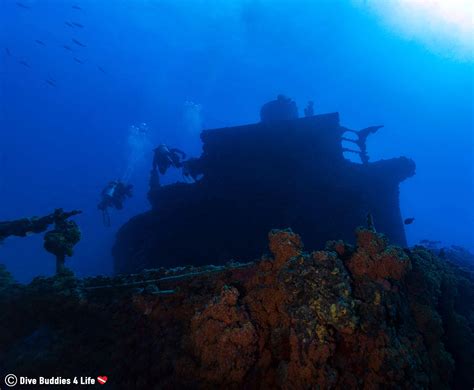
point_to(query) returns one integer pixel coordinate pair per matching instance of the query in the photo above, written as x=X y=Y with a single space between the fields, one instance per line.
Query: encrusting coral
x=60 y=241
x=365 y=316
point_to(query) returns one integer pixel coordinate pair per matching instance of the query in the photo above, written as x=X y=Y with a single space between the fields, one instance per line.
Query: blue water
x=60 y=145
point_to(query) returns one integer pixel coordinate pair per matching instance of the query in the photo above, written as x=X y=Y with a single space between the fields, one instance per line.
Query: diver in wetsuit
x=165 y=158
x=113 y=195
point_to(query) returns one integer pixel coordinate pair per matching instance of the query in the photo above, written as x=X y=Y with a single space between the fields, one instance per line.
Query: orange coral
x=284 y=245
x=224 y=339
x=375 y=259
x=365 y=317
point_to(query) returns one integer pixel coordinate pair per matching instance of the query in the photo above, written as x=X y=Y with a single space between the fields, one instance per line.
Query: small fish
x=78 y=60
x=76 y=7
x=408 y=221
x=78 y=24
x=51 y=82
x=68 y=24
x=24 y=63
x=78 y=43
x=40 y=42
x=67 y=47
x=21 y=5
x=9 y=53
x=101 y=69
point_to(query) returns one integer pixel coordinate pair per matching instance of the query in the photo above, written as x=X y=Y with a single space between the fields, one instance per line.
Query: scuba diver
x=113 y=195
x=165 y=158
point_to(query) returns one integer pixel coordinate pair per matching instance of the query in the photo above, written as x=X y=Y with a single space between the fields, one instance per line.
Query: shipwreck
x=275 y=174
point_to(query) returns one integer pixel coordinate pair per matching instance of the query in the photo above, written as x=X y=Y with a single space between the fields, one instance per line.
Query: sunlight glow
x=446 y=26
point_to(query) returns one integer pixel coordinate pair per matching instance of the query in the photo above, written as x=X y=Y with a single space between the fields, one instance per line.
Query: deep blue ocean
x=75 y=76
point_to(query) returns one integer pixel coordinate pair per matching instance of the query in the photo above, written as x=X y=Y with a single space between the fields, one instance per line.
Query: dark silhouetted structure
x=309 y=109
x=259 y=177
x=60 y=241
x=361 y=141
x=283 y=108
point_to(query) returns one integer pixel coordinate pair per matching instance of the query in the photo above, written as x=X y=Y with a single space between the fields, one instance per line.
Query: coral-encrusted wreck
x=370 y=316
x=274 y=174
